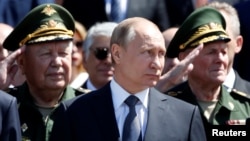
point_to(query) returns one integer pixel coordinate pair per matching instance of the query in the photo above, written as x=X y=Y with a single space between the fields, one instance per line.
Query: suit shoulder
x=6 y=97
x=179 y=101
x=173 y=101
x=79 y=98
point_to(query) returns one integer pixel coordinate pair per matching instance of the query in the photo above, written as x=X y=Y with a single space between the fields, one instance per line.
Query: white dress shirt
x=79 y=80
x=119 y=95
x=230 y=79
x=90 y=86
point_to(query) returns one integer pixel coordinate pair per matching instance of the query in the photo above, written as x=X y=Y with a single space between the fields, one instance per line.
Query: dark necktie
x=115 y=13
x=131 y=127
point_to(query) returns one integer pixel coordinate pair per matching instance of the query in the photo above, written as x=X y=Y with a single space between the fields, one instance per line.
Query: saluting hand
x=8 y=68
x=179 y=72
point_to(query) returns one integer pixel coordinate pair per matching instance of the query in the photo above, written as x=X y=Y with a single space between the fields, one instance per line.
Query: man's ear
x=239 y=43
x=116 y=52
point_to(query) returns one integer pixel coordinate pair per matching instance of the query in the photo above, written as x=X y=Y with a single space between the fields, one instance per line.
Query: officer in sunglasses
x=97 y=58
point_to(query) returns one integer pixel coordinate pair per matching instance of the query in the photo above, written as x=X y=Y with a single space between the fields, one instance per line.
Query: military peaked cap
x=204 y=25
x=46 y=22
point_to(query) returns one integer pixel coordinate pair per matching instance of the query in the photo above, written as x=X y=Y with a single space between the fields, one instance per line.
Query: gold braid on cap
x=49 y=28
x=205 y=29
x=208 y=39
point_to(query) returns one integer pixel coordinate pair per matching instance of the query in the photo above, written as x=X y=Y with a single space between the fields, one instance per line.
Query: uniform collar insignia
x=24 y=127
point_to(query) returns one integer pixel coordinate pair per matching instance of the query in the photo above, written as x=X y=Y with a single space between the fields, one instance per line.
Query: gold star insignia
x=48 y=10
x=212 y=25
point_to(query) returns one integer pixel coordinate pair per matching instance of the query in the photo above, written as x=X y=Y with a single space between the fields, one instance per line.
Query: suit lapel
x=241 y=84
x=155 y=114
x=105 y=112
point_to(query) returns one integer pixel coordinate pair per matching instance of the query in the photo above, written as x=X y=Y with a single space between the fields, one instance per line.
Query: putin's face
x=141 y=61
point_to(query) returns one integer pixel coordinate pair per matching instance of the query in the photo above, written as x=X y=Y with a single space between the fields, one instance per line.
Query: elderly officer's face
x=47 y=65
x=210 y=66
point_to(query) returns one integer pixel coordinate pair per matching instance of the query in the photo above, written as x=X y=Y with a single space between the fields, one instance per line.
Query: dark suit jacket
x=241 y=63
x=9 y=119
x=91 y=117
x=241 y=84
x=88 y=12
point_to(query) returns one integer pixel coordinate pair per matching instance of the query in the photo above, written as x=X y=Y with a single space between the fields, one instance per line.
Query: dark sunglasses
x=79 y=44
x=101 y=53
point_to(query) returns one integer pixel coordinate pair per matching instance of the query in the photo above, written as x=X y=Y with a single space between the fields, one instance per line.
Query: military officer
x=46 y=35
x=204 y=85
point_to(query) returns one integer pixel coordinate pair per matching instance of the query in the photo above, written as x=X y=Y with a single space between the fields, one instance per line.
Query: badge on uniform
x=236 y=122
x=24 y=127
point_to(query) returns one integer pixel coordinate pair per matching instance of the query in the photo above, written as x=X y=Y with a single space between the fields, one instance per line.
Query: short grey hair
x=232 y=14
x=98 y=29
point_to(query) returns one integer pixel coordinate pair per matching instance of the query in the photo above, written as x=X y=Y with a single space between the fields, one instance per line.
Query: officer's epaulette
x=174 y=93
x=241 y=93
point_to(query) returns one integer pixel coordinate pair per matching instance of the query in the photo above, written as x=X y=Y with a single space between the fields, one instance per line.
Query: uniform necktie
x=131 y=127
x=115 y=13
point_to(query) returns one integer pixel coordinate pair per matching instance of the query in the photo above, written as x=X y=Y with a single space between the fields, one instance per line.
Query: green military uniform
x=35 y=126
x=203 y=26
x=231 y=106
x=207 y=25
x=44 y=23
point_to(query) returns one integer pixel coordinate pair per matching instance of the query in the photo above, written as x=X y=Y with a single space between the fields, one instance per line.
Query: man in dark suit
x=9 y=119
x=91 y=11
x=138 y=51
